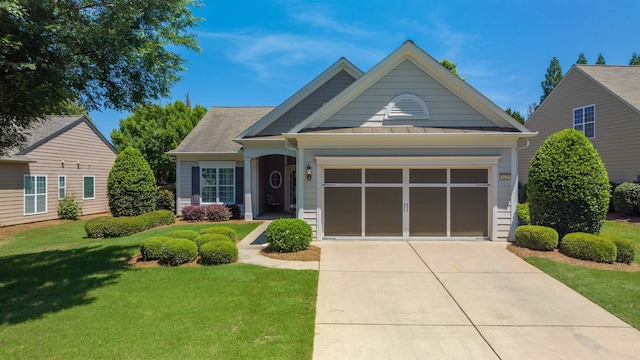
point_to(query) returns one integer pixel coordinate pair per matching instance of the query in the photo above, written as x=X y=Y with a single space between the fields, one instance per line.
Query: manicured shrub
x=95 y=227
x=625 y=198
x=522 y=194
x=221 y=230
x=217 y=212
x=218 y=252
x=523 y=214
x=123 y=226
x=184 y=234
x=193 y=213
x=69 y=208
x=235 y=211
x=165 y=200
x=568 y=186
x=205 y=238
x=151 y=248
x=178 y=251
x=131 y=186
x=289 y=235
x=537 y=237
x=158 y=218
x=589 y=247
x=625 y=248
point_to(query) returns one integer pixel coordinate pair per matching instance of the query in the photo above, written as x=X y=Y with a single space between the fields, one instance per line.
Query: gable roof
x=340 y=74
x=409 y=51
x=50 y=128
x=215 y=132
x=622 y=81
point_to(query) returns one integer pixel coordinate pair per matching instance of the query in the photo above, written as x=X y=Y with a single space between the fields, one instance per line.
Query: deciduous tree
x=106 y=54
x=154 y=130
x=452 y=67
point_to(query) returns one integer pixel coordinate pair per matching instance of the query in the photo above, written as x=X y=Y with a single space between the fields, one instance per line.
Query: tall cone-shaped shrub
x=131 y=186
x=568 y=187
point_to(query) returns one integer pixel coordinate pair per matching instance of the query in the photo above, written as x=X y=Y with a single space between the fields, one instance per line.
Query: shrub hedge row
x=589 y=247
x=109 y=227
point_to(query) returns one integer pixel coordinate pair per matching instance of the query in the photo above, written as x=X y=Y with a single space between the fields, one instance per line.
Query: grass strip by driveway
x=66 y=297
x=616 y=291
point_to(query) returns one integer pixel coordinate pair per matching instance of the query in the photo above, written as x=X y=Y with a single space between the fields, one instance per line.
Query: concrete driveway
x=454 y=300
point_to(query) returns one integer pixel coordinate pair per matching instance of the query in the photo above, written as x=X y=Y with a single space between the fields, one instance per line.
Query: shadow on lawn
x=32 y=285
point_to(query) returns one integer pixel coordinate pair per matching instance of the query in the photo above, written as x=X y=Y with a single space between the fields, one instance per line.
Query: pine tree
x=600 y=60
x=515 y=114
x=551 y=78
x=581 y=59
x=635 y=59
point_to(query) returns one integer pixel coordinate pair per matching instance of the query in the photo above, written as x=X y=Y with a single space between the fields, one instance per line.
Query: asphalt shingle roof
x=216 y=130
x=39 y=133
x=623 y=81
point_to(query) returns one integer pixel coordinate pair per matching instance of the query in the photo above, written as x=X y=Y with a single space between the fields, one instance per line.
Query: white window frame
x=84 y=197
x=402 y=97
x=217 y=185
x=35 y=194
x=62 y=187
x=582 y=122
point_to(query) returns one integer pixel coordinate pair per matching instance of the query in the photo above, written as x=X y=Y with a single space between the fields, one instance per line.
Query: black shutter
x=195 y=185
x=239 y=185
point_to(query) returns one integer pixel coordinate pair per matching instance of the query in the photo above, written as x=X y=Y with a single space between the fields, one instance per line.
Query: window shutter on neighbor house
x=195 y=185
x=239 y=185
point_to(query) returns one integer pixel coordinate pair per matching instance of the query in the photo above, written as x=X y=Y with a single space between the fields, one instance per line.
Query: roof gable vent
x=406 y=106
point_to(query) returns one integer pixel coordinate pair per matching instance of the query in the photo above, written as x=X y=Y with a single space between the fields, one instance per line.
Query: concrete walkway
x=454 y=300
x=249 y=252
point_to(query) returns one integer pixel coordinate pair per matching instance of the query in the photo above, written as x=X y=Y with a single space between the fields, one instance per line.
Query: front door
x=403 y=203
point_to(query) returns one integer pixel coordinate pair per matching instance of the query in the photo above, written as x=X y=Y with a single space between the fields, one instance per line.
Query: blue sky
x=261 y=52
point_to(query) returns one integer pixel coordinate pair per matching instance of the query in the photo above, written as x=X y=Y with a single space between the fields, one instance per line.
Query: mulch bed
x=138 y=262
x=557 y=256
x=311 y=254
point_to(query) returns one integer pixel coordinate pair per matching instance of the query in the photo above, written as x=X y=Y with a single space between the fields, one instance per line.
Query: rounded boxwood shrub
x=625 y=198
x=131 y=186
x=568 y=187
x=176 y=251
x=537 y=237
x=221 y=230
x=205 y=238
x=589 y=247
x=625 y=248
x=151 y=248
x=523 y=214
x=217 y=212
x=218 y=252
x=184 y=234
x=95 y=227
x=289 y=235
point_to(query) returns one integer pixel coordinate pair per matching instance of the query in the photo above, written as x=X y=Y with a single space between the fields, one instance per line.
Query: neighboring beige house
x=602 y=101
x=64 y=155
x=406 y=150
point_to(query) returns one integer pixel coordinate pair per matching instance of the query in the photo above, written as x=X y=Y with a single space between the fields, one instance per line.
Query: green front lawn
x=616 y=291
x=63 y=296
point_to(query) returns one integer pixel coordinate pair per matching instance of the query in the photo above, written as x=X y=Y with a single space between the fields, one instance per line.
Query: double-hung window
x=217 y=185
x=62 y=187
x=88 y=187
x=584 y=120
x=35 y=194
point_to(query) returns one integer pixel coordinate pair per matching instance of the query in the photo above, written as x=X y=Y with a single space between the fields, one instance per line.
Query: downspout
x=523 y=147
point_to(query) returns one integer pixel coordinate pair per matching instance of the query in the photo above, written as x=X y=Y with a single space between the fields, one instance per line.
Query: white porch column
x=248 y=211
x=301 y=174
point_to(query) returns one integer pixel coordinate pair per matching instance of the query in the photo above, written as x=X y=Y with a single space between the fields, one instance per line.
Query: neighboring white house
x=406 y=150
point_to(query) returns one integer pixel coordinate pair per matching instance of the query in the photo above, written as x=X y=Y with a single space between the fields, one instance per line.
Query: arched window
x=407 y=106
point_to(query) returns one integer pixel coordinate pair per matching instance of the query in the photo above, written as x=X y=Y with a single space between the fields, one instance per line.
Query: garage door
x=400 y=203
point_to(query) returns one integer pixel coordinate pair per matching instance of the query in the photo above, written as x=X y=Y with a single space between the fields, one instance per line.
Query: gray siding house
x=602 y=101
x=406 y=150
x=64 y=155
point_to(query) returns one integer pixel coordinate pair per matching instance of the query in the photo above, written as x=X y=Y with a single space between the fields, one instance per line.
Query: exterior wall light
x=308 y=171
x=62 y=163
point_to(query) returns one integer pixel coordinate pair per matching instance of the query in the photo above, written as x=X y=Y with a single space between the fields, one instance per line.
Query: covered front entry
x=407 y=202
